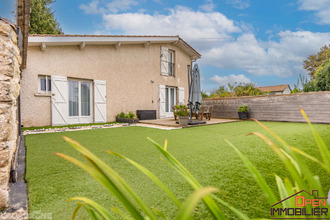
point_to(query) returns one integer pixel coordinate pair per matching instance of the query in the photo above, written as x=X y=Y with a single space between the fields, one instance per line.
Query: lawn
x=202 y=150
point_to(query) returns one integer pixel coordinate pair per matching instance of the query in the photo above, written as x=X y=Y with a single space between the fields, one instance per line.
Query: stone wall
x=10 y=61
x=276 y=107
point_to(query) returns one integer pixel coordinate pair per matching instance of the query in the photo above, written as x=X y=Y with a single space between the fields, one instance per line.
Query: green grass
x=66 y=126
x=202 y=150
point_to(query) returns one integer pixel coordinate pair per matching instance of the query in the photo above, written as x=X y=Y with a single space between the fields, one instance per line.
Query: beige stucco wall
x=128 y=71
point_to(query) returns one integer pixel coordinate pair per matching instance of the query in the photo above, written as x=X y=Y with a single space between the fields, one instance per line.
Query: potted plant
x=243 y=112
x=183 y=114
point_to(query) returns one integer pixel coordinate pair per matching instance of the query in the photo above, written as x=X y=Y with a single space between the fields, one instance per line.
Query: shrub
x=181 y=110
x=129 y=115
x=243 y=108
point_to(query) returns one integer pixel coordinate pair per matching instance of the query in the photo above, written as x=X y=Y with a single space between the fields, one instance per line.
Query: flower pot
x=243 y=115
x=183 y=121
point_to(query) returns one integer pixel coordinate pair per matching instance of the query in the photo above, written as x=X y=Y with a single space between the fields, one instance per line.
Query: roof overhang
x=79 y=40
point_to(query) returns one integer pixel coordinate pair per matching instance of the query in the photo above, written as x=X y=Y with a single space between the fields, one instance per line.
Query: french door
x=80 y=102
x=170 y=100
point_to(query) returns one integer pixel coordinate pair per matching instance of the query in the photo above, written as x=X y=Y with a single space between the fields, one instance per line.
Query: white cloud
x=181 y=20
x=208 y=6
x=283 y=58
x=121 y=5
x=92 y=8
x=114 y=6
x=240 y=4
x=320 y=7
x=224 y=80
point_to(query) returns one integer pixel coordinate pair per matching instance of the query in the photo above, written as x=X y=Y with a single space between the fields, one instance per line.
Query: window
x=45 y=85
x=167 y=62
x=79 y=98
x=171 y=63
x=170 y=95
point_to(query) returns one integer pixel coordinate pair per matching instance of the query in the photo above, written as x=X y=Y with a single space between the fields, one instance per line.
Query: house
x=275 y=90
x=72 y=79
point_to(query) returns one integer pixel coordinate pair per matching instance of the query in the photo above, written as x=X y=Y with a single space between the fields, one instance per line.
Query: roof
x=62 y=40
x=278 y=88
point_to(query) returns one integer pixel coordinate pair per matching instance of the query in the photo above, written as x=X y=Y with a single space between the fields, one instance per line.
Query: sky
x=258 y=41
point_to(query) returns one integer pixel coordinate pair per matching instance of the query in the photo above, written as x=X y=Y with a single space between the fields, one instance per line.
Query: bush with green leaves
x=295 y=161
x=243 y=108
x=322 y=77
x=129 y=115
x=181 y=110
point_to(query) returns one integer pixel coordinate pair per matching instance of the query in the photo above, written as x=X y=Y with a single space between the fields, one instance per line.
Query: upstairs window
x=167 y=62
x=44 y=84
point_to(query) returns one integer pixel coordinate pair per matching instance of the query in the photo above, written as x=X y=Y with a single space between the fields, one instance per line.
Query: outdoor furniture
x=207 y=112
x=146 y=114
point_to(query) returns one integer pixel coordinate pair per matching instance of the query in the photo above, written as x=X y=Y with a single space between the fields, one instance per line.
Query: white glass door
x=170 y=100
x=80 y=102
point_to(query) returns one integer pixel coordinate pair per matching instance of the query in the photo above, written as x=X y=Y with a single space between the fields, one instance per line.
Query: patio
x=170 y=122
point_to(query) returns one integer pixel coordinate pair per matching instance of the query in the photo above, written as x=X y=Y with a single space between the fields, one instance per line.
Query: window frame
x=48 y=86
x=171 y=63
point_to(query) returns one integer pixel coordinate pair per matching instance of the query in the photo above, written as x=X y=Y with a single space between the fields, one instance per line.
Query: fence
x=276 y=107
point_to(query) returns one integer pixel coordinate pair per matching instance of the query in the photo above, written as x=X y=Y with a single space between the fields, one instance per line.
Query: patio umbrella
x=195 y=95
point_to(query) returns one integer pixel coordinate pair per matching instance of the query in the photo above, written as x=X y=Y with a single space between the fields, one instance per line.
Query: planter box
x=127 y=120
x=183 y=121
x=146 y=114
x=243 y=115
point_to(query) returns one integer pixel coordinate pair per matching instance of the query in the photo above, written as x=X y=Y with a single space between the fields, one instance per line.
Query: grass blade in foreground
x=152 y=176
x=100 y=210
x=257 y=176
x=325 y=154
x=209 y=202
x=115 y=179
x=192 y=201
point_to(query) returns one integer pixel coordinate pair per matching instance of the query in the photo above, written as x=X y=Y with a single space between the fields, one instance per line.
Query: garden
x=201 y=150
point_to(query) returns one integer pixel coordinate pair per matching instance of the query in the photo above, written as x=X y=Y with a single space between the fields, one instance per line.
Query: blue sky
x=259 y=41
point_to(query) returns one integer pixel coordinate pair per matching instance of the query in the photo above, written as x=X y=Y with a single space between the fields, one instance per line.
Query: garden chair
x=207 y=112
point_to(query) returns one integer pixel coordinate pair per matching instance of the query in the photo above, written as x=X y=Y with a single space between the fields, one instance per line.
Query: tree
x=303 y=85
x=241 y=89
x=205 y=95
x=322 y=77
x=221 y=92
x=244 y=89
x=312 y=63
x=42 y=20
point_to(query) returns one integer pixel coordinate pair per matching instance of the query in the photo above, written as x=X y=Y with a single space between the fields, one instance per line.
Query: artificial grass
x=202 y=150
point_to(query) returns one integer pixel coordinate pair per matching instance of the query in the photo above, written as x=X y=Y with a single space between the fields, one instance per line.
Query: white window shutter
x=164 y=61
x=161 y=101
x=181 y=96
x=60 y=107
x=100 y=101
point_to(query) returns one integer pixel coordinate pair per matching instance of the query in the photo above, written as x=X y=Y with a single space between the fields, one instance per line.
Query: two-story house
x=72 y=79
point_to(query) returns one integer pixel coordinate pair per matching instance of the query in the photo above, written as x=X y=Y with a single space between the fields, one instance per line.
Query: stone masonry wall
x=10 y=61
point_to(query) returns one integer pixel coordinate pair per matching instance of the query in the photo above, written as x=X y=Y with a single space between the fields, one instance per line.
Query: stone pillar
x=10 y=61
